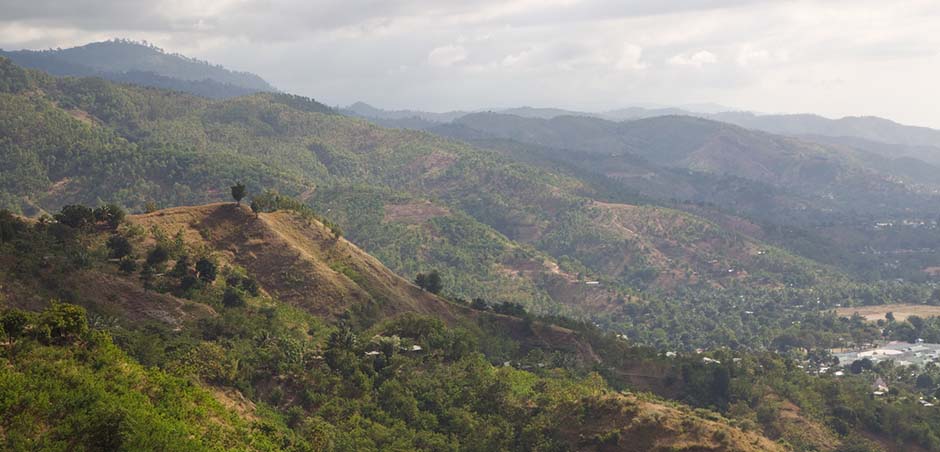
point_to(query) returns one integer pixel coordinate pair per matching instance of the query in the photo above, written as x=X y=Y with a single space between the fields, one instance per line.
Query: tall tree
x=430 y=282
x=238 y=192
x=112 y=214
x=206 y=270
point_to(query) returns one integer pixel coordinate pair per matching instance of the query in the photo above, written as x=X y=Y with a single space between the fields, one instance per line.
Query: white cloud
x=631 y=59
x=757 y=54
x=749 y=56
x=697 y=59
x=448 y=55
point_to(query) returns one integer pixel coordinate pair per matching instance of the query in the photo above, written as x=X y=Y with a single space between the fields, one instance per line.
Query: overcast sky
x=836 y=58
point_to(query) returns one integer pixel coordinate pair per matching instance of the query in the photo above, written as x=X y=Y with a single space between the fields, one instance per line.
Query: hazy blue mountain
x=877 y=135
x=141 y=64
x=866 y=127
x=836 y=176
x=542 y=112
x=930 y=154
x=631 y=113
x=365 y=110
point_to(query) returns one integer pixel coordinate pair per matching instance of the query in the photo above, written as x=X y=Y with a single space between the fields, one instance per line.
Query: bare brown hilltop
x=300 y=261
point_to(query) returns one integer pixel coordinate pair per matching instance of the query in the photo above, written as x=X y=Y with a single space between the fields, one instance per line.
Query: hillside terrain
x=287 y=320
x=858 y=129
x=511 y=228
x=832 y=176
x=829 y=202
x=540 y=280
x=245 y=344
x=141 y=64
x=556 y=238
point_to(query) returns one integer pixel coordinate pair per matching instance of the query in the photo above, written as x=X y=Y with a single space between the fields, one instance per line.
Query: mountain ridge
x=139 y=63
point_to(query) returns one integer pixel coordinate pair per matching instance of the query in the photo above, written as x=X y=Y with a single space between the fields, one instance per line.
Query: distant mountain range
x=877 y=135
x=785 y=169
x=141 y=64
x=587 y=267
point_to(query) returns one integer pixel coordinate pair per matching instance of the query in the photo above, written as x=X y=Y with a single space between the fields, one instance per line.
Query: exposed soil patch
x=82 y=116
x=123 y=297
x=434 y=163
x=414 y=213
x=900 y=311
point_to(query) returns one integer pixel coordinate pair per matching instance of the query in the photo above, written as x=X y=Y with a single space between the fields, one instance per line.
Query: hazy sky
x=852 y=57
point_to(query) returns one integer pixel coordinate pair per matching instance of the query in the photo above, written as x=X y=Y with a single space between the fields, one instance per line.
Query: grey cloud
x=566 y=53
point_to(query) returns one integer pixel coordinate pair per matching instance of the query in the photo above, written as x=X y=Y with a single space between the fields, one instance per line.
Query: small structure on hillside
x=879 y=386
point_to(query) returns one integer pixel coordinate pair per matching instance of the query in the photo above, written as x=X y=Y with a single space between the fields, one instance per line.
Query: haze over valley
x=537 y=227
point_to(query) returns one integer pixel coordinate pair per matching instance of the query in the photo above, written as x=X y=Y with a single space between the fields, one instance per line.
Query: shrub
x=127 y=265
x=158 y=255
x=206 y=270
x=75 y=216
x=119 y=246
x=430 y=282
x=232 y=298
x=61 y=323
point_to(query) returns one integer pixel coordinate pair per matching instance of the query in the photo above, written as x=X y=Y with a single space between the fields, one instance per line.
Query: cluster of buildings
x=902 y=353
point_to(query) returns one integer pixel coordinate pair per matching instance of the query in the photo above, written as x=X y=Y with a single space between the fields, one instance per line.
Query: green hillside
x=497 y=228
x=821 y=201
x=237 y=354
x=267 y=331
x=807 y=176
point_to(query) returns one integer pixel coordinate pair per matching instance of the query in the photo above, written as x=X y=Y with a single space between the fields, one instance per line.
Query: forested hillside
x=553 y=239
x=330 y=351
x=823 y=177
x=141 y=64
x=854 y=206
x=266 y=330
x=539 y=284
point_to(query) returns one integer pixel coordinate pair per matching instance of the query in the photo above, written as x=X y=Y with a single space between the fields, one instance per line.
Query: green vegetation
x=494 y=225
x=408 y=382
x=142 y=64
x=430 y=282
x=313 y=383
x=308 y=347
x=238 y=192
x=65 y=387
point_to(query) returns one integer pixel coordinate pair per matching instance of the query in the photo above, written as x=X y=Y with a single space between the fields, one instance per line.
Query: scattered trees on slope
x=430 y=282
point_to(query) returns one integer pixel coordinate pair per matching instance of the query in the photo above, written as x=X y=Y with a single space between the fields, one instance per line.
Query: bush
x=13 y=323
x=188 y=282
x=430 y=282
x=119 y=246
x=158 y=255
x=232 y=298
x=110 y=214
x=181 y=268
x=127 y=265
x=75 y=216
x=206 y=270
x=250 y=286
x=61 y=323
x=479 y=304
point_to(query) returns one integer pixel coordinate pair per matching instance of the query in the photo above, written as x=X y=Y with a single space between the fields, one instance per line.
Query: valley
x=251 y=271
